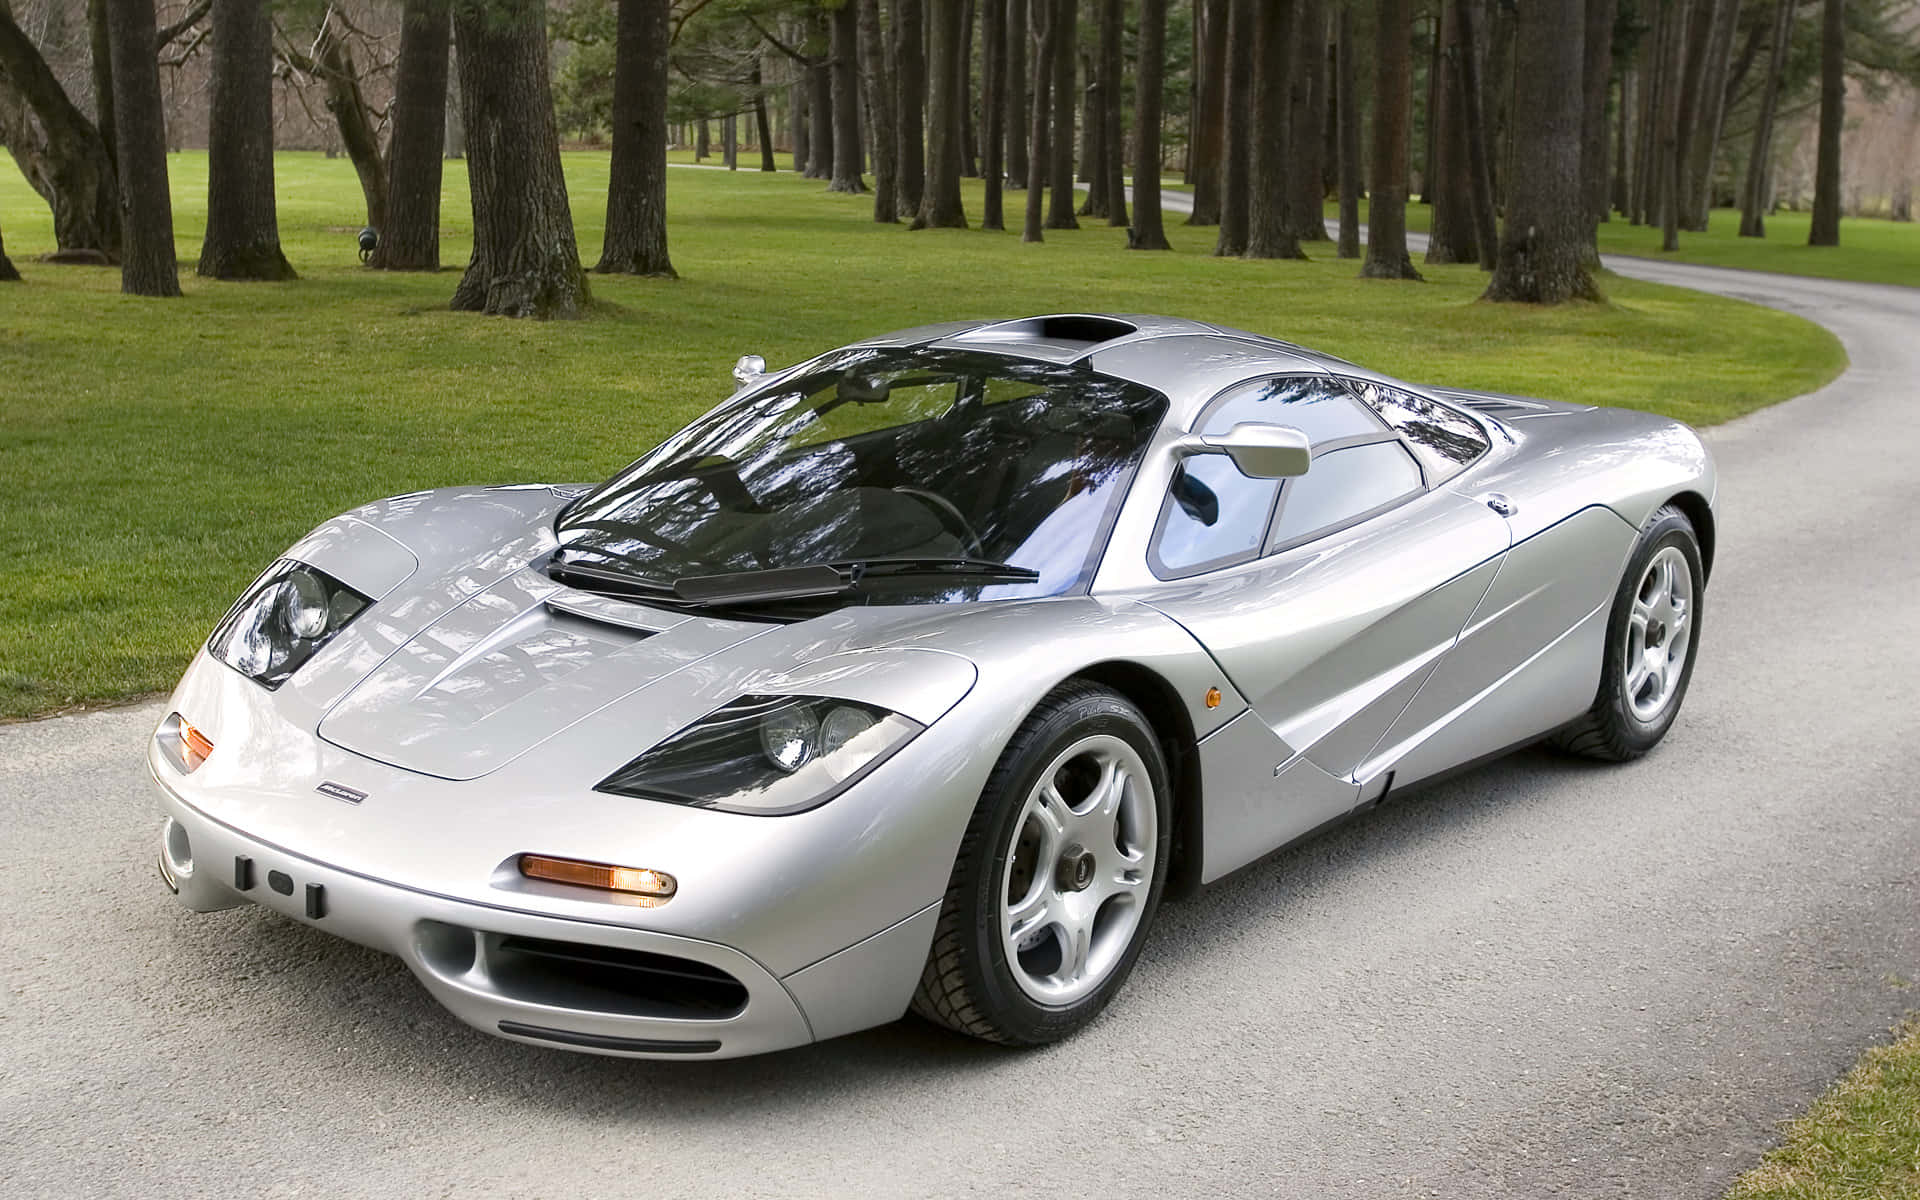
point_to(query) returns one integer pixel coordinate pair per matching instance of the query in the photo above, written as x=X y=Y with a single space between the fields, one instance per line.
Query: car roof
x=1188 y=361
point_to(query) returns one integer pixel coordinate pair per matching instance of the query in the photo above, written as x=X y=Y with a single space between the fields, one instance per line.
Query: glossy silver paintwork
x=477 y=703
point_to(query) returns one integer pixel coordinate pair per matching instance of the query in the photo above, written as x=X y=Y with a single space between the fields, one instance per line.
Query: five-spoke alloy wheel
x=1058 y=874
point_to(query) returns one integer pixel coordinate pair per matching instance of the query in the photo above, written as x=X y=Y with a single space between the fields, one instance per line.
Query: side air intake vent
x=1505 y=408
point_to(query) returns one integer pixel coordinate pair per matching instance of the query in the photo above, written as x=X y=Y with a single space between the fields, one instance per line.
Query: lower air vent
x=1505 y=408
x=581 y=976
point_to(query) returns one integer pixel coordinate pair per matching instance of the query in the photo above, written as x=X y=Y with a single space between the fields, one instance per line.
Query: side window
x=1215 y=516
x=1344 y=485
x=1443 y=440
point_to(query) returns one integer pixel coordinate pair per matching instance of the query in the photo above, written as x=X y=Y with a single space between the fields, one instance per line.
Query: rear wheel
x=1058 y=875
x=1653 y=633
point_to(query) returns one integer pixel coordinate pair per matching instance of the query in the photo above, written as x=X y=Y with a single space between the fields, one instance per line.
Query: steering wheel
x=950 y=517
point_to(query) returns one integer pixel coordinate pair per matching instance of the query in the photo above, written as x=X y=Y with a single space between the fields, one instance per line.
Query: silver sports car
x=917 y=675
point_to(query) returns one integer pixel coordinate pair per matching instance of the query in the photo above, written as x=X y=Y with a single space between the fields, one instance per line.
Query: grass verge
x=154 y=454
x=1860 y=1141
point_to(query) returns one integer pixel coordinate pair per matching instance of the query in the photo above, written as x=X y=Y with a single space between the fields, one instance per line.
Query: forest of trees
x=1524 y=123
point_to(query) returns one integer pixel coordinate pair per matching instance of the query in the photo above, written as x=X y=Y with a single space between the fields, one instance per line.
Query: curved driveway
x=1543 y=978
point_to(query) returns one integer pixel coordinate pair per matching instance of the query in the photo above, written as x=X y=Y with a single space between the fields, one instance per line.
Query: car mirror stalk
x=1259 y=450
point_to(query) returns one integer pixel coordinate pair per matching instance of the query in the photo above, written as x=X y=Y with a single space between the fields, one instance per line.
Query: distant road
x=1544 y=978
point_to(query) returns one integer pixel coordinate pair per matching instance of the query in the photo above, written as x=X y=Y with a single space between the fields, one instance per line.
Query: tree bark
x=1242 y=127
x=880 y=112
x=1540 y=259
x=1596 y=81
x=1114 y=136
x=1696 y=194
x=334 y=67
x=1467 y=63
x=1622 y=187
x=243 y=232
x=1753 y=196
x=802 y=121
x=65 y=159
x=1392 y=104
x=993 y=89
x=1045 y=30
x=100 y=54
x=910 y=80
x=1305 y=170
x=1060 y=139
x=1272 y=200
x=820 y=109
x=1149 y=229
x=968 y=133
x=456 y=144
x=1451 y=232
x=1825 y=229
x=844 y=29
x=147 y=264
x=1019 y=115
x=1347 y=136
x=8 y=274
x=525 y=262
x=1206 y=144
x=411 y=239
x=940 y=205
x=1698 y=37
x=636 y=237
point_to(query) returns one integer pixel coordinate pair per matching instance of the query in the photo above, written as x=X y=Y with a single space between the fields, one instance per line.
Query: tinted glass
x=1215 y=515
x=1342 y=485
x=877 y=454
x=1316 y=406
x=1445 y=441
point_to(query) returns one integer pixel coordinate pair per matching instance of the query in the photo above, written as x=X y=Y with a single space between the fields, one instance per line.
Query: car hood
x=521 y=661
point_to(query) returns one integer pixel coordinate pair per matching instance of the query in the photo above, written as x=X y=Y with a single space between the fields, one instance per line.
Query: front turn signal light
x=183 y=745
x=632 y=881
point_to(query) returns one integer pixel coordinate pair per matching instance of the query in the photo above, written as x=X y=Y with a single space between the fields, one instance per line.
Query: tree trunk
x=1271 y=198
x=1206 y=144
x=411 y=239
x=1430 y=152
x=349 y=107
x=1596 y=81
x=802 y=122
x=636 y=237
x=1467 y=63
x=1698 y=36
x=100 y=56
x=1347 y=137
x=1045 y=30
x=762 y=126
x=1149 y=231
x=969 y=133
x=940 y=198
x=1450 y=237
x=1093 y=132
x=1540 y=258
x=65 y=159
x=1621 y=189
x=1066 y=18
x=820 y=115
x=910 y=80
x=844 y=27
x=880 y=109
x=8 y=274
x=1242 y=127
x=1696 y=193
x=1113 y=74
x=243 y=231
x=1304 y=173
x=1019 y=115
x=1392 y=104
x=456 y=146
x=1753 y=197
x=1825 y=230
x=525 y=263
x=993 y=89
x=147 y=264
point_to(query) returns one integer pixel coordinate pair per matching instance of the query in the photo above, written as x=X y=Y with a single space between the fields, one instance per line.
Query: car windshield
x=968 y=463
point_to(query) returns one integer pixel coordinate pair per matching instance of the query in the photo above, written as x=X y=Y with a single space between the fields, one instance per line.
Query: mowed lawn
x=155 y=454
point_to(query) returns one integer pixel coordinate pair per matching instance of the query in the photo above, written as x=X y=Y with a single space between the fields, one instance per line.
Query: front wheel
x=1058 y=875
x=1653 y=633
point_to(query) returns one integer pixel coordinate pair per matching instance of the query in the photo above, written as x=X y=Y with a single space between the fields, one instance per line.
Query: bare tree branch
x=193 y=17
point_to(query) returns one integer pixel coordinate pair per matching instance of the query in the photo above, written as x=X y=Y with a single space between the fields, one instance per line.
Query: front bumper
x=602 y=988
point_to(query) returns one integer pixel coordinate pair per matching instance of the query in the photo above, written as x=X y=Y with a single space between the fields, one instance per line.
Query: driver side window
x=1213 y=515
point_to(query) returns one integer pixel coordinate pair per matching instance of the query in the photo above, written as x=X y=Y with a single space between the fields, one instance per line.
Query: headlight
x=284 y=618
x=766 y=755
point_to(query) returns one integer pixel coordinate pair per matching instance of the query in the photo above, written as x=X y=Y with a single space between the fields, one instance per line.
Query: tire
x=1633 y=710
x=1080 y=867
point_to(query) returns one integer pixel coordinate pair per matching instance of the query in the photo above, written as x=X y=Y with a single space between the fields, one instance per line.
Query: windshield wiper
x=599 y=579
x=831 y=579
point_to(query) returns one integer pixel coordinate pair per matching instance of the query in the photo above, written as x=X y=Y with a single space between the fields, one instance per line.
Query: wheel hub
x=1074 y=872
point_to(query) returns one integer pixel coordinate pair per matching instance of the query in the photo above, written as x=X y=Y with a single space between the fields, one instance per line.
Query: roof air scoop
x=1076 y=332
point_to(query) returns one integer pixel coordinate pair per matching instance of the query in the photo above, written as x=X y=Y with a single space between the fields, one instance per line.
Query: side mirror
x=749 y=369
x=1260 y=451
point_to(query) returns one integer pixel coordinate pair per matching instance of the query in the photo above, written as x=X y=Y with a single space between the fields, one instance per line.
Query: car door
x=1331 y=614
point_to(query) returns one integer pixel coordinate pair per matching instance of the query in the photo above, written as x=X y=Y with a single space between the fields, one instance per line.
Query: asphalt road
x=1544 y=978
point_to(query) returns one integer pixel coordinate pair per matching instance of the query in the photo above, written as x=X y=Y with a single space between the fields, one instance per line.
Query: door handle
x=1499 y=502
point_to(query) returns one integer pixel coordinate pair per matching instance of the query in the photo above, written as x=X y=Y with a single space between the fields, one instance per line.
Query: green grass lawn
x=155 y=454
x=1861 y=1141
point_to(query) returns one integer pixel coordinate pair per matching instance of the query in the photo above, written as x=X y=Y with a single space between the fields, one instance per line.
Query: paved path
x=1544 y=978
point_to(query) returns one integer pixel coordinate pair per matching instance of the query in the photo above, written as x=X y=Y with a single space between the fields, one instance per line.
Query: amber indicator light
x=634 y=881
x=194 y=746
x=1213 y=697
